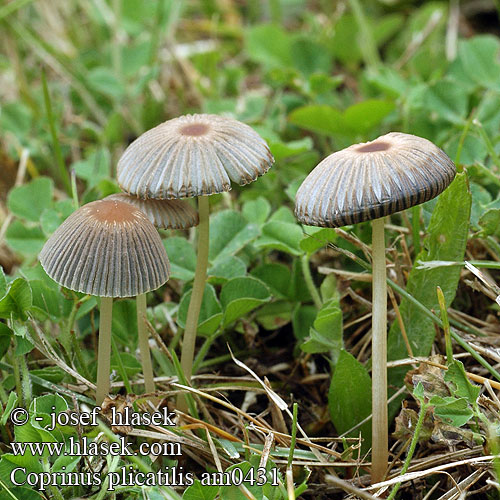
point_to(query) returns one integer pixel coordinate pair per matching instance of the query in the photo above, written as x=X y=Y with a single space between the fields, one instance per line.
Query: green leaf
x=11 y=404
x=361 y=117
x=256 y=211
x=225 y=269
x=124 y=323
x=303 y=319
x=65 y=463
x=419 y=393
x=47 y=302
x=5 y=337
x=461 y=386
x=210 y=312
x=95 y=167
x=275 y=315
x=479 y=59
x=52 y=218
x=21 y=493
x=182 y=258
x=239 y=296
x=25 y=240
x=282 y=236
x=282 y=150
x=490 y=222
x=453 y=411
x=326 y=333
x=129 y=362
x=357 y=119
x=350 y=397
x=283 y=214
x=329 y=289
x=229 y=233
x=316 y=238
x=272 y=55
x=30 y=200
x=102 y=79
x=319 y=118
x=197 y=491
x=447 y=236
x=344 y=42
x=388 y=80
x=310 y=57
x=17 y=300
x=9 y=462
x=233 y=492
x=276 y=276
x=448 y=100
x=3 y=282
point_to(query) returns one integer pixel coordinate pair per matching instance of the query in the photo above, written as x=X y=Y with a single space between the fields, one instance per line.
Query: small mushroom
x=109 y=249
x=193 y=155
x=164 y=214
x=367 y=182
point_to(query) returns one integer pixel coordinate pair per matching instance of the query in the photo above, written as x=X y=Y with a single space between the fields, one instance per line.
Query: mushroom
x=164 y=214
x=367 y=182
x=109 y=249
x=193 y=155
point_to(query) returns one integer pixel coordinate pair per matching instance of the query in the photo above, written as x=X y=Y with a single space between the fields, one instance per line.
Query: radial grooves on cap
x=350 y=186
x=106 y=259
x=165 y=163
x=164 y=214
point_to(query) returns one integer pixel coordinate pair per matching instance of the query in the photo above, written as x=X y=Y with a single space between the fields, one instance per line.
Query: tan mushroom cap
x=164 y=214
x=106 y=248
x=192 y=155
x=373 y=179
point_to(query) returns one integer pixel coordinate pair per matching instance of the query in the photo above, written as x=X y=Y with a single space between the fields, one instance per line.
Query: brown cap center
x=110 y=211
x=374 y=146
x=194 y=129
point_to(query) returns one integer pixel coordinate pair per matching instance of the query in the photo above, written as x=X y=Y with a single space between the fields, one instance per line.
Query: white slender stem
x=380 y=452
x=147 y=367
x=104 y=349
x=200 y=277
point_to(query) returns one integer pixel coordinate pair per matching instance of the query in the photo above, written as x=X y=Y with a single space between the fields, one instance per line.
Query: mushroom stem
x=200 y=276
x=379 y=354
x=147 y=367
x=104 y=349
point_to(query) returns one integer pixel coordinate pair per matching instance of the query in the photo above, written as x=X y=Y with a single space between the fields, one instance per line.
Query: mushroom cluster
x=109 y=249
x=193 y=155
x=97 y=250
x=367 y=182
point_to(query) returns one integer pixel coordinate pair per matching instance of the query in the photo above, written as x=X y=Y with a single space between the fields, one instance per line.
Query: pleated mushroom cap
x=192 y=155
x=164 y=214
x=106 y=248
x=373 y=179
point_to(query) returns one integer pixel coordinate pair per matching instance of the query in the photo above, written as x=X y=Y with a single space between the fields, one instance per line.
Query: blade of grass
x=462 y=343
x=121 y=368
x=446 y=324
x=53 y=58
x=12 y=7
x=367 y=42
x=182 y=379
x=289 y=469
x=56 y=146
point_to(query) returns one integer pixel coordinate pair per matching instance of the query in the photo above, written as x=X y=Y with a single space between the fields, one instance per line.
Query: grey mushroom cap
x=374 y=179
x=192 y=155
x=164 y=214
x=106 y=248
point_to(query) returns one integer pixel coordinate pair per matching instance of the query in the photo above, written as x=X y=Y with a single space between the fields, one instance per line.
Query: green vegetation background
x=80 y=80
